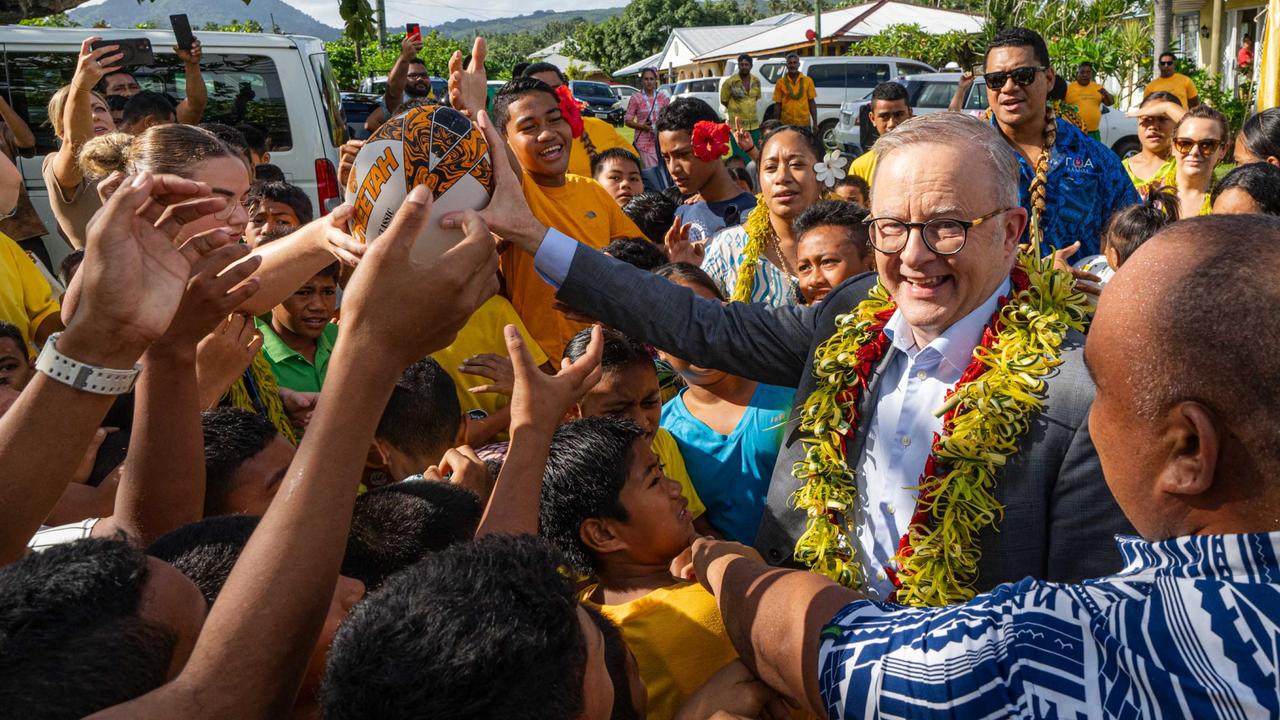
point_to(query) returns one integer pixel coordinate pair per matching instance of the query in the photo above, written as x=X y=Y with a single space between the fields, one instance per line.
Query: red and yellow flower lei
x=985 y=415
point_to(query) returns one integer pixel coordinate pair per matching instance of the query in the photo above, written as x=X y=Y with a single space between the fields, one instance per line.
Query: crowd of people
x=707 y=425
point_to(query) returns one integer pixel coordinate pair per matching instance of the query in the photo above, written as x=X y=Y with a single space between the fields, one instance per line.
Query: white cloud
x=434 y=12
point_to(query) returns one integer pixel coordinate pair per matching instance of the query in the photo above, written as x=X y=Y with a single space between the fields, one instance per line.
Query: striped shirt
x=724 y=257
x=1190 y=628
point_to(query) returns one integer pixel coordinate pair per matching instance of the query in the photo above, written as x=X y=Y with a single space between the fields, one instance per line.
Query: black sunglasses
x=1022 y=76
x=1166 y=62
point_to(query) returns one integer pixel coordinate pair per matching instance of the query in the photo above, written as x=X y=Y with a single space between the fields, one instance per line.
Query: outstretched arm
x=191 y=109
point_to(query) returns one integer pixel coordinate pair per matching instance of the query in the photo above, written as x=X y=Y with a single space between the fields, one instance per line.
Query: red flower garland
x=570 y=110
x=710 y=140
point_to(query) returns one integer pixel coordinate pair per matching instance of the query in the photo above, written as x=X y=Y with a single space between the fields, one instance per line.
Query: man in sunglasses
x=1083 y=182
x=1173 y=82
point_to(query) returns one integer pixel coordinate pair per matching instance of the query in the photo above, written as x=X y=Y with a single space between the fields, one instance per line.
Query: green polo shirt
x=291 y=369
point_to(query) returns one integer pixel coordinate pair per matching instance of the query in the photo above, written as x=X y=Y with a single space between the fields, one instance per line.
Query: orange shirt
x=581 y=209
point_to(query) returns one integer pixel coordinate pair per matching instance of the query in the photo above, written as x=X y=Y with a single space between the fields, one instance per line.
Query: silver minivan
x=281 y=84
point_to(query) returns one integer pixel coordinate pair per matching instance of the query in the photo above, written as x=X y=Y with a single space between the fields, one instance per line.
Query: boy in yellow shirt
x=608 y=506
x=528 y=114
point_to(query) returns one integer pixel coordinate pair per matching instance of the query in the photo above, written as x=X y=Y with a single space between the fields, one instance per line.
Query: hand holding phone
x=133 y=51
x=182 y=31
x=413 y=32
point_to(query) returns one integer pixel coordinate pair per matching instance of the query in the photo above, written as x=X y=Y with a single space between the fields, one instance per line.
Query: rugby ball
x=428 y=145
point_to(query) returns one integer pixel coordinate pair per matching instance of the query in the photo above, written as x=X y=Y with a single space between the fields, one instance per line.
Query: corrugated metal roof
x=705 y=39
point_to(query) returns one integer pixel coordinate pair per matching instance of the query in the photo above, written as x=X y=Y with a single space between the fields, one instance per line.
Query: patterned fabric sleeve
x=719 y=261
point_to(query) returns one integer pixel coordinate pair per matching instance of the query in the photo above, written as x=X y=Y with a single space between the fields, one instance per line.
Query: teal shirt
x=291 y=369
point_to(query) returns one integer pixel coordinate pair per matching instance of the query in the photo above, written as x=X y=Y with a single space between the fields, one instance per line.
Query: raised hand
x=742 y=136
x=495 y=367
x=347 y=160
x=299 y=406
x=469 y=86
x=223 y=356
x=211 y=293
x=541 y=400
x=410 y=46
x=93 y=65
x=384 y=310
x=192 y=56
x=1086 y=282
x=330 y=234
x=680 y=248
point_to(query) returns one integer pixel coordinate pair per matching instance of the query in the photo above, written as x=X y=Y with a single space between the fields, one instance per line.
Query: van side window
x=977 y=97
x=935 y=95
x=866 y=75
x=243 y=89
x=828 y=75
x=773 y=71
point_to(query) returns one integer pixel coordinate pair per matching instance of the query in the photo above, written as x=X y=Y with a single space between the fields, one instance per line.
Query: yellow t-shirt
x=26 y=299
x=603 y=137
x=581 y=209
x=483 y=335
x=864 y=166
x=678 y=639
x=1088 y=102
x=793 y=99
x=1177 y=83
x=668 y=452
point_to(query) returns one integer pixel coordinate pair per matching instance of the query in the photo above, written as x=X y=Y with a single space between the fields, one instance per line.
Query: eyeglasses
x=1022 y=76
x=943 y=236
x=417 y=76
x=1166 y=63
x=1184 y=146
x=226 y=212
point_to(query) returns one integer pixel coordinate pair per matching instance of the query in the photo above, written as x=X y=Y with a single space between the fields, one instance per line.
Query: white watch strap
x=82 y=376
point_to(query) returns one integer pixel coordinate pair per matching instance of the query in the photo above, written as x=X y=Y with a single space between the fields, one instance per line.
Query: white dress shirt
x=900 y=433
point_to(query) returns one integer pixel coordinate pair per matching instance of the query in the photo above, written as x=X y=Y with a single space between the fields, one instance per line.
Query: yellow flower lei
x=937 y=562
x=758 y=229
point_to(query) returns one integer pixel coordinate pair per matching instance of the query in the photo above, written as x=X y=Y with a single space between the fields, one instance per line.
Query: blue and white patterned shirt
x=1189 y=629
x=724 y=256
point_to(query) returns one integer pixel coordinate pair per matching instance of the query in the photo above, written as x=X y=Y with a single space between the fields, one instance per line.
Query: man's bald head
x=1189 y=332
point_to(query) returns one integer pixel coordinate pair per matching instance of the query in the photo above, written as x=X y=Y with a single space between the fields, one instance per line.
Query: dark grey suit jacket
x=1059 y=516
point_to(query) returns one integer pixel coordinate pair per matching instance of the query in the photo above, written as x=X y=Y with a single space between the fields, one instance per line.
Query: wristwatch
x=82 y=376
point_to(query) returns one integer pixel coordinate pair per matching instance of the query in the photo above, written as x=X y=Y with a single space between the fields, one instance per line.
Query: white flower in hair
x=831 y=169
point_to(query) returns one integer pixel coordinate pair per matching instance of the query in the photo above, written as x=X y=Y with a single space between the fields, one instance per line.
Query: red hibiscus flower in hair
x=571 y=110
x=710 y=140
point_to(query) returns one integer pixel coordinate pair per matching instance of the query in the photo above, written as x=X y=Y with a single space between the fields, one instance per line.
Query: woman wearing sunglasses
x=1157 y=116
x=1199 y=143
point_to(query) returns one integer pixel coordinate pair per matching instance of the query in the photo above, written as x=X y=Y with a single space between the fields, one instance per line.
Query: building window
x=1188 y=37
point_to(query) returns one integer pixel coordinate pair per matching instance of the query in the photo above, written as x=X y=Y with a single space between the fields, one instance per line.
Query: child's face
x=659 y=525
x=691 y=373
x=267 y=216
x=539 y=136
x=15 y=366
x=825 y=258
x=306 y=312
x=621 y=178
x=851 y=193
x=631 y=393
x=689 y=173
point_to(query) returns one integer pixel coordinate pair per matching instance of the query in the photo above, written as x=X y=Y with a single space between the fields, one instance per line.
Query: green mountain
x=128 y=13
x=533 y=22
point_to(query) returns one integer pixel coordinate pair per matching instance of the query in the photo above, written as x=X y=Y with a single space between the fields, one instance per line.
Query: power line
x=400 y=4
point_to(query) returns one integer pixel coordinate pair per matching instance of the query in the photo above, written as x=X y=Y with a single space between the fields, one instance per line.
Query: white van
x=245 y=74
x=836 y=78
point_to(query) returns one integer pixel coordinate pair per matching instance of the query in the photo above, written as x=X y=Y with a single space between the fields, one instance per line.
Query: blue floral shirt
x=1189 y=629
x=1087 y=182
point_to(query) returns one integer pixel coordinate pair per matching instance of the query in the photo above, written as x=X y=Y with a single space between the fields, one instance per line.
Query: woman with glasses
x=1199 y=143
x=1154 y=164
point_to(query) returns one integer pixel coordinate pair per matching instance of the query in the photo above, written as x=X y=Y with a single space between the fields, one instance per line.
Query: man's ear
x=382 y=451
x=597 y=534
x=573 y=413
x=1194 y=443
x=1050 y=75
x=266 y=158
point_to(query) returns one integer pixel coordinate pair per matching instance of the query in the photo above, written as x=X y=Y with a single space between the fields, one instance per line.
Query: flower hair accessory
x=831 y=169
x=570 y=110
x=710 y=140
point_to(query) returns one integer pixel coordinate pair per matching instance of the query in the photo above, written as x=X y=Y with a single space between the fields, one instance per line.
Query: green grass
x=628 y=133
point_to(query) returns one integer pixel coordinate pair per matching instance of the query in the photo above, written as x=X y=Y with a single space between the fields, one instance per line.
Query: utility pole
x=817 y=28
x=382 y=24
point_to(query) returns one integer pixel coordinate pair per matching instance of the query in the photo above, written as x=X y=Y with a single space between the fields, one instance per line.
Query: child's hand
x=540 y=400
x=496 y=368
x=733 y=692
x=465 y=469
x=680 y=248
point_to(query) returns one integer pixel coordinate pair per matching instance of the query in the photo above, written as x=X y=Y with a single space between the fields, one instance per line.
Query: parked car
x=932 y=92
x=623 y=92
x=377 y=85
x=667 y=89
x=293 y=98
x=356 y=108
x=705 y=89
x=837 y=79
x=600 y=100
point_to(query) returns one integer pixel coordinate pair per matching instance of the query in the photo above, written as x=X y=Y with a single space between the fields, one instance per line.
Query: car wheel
x=1127 y=147
x=827 y=131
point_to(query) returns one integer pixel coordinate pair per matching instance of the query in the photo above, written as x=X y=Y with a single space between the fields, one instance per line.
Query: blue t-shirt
x=712 y=217
x=731 y=472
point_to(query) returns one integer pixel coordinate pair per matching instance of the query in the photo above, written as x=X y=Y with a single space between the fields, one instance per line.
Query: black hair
x=683 y=113
x=1261 y=134
x=689 y=272
x=397 y=525
x=255 y=139
x=745 y=56
x=618 y=154
x=649 y=70
x=1161 y=95
x=889 y=91
x=857 y=181
x=1059 y=89
x=283 y=192
x=147 y=104
x=1021 y=37
x=615 y=661
x=417 y=61
x=231 y=437
x=230 y=136
x=838 y=213
x=638 y=252
x=423 y=414
x=11 y=331
x=485 y=629
x=207 y=550
x=72 y=641
x=1132 y=226
x=518 y=69
x=674 y=195
x=116 y=103
x=768 y=126
x=653 y=213
x=1085 y=64
x=1260 y=180
x=586 y=468
x=69 y=265
x=268 y=172
x=1167 y=54
x=620 y=351
x=810 y=139
x=330 y=271
x=741 y=175
x=541 y=67
x=513 y=91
